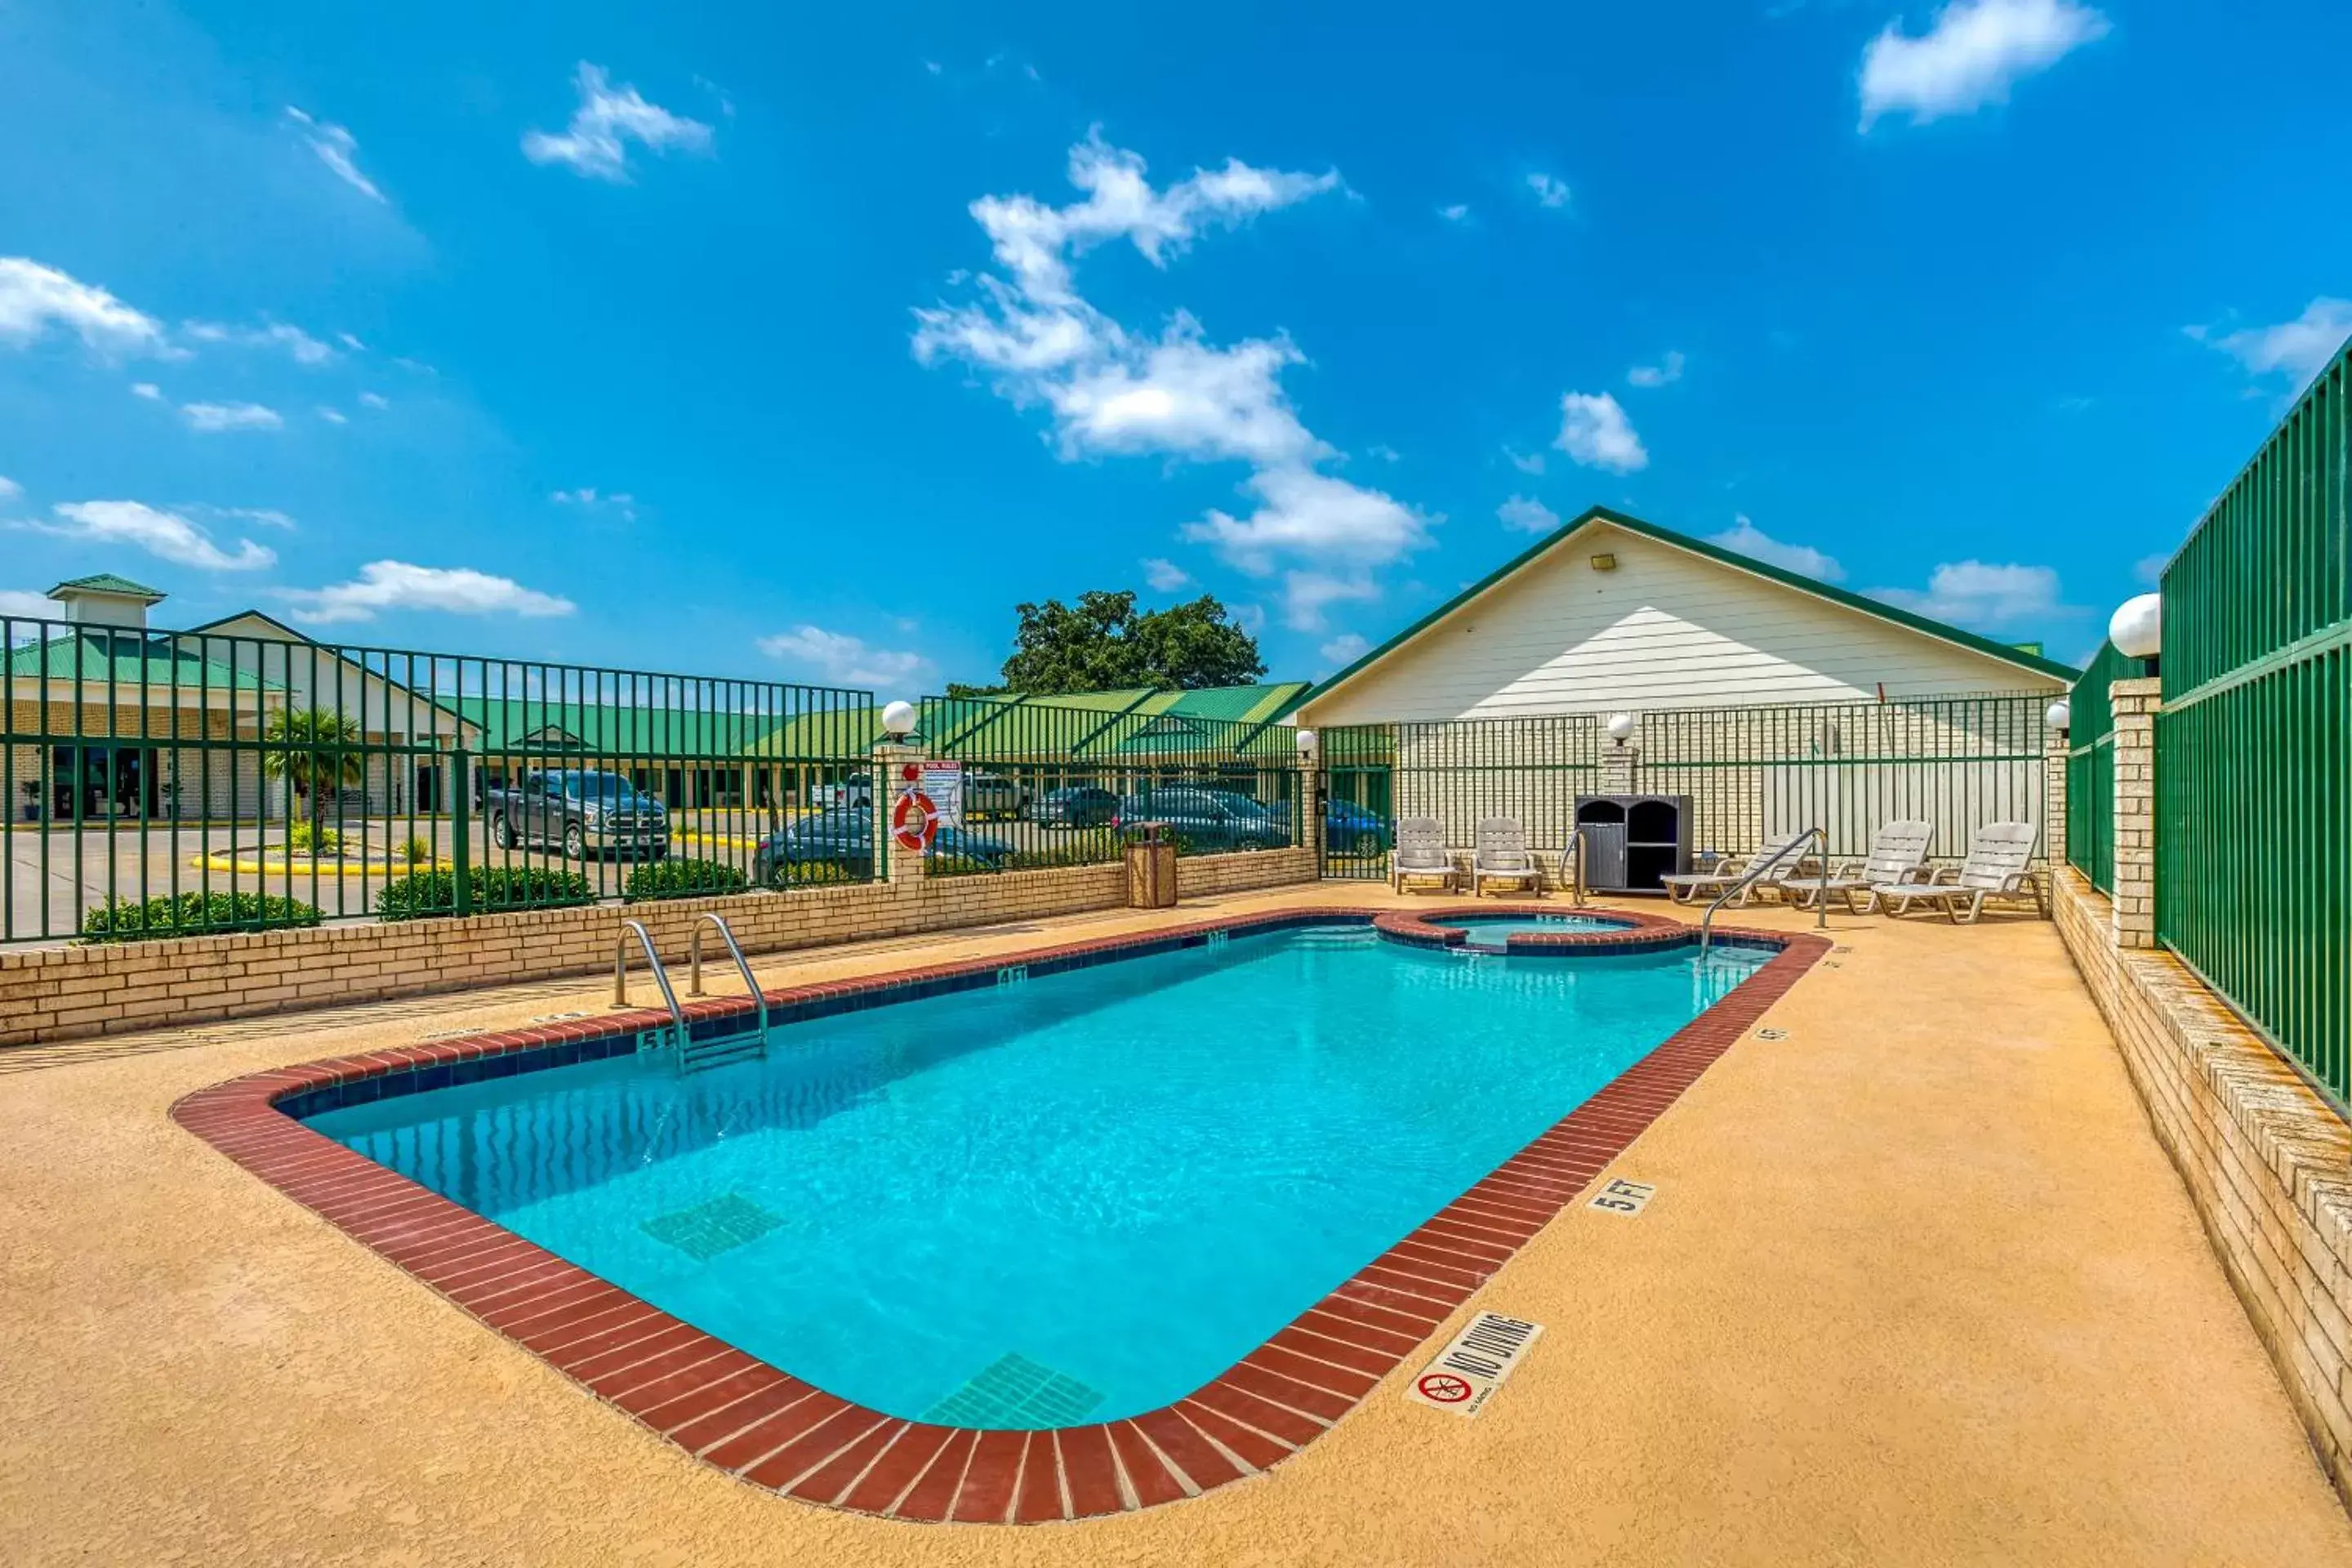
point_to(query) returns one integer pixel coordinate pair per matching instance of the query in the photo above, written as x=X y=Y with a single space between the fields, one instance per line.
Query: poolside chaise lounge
x=1771 y=864
x=1999 y=865
x=1899 y=854
x=1500 y=854
x=1420 y=852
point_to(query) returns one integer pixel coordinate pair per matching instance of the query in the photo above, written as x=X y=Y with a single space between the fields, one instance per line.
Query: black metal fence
x=1048 y=781
x=242 y=777
x=1749 y=773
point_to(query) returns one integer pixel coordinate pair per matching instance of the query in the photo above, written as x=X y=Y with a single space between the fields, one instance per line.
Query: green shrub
x=304 y=839
x=428 y=895
x=685 y=878
x=192 y=914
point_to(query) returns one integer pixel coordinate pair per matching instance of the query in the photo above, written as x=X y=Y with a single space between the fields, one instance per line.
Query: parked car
x=584 y=811
x=1078 y=806
x=857 y=789
x=992 y=795
x=841 y=840
x=1352 y=830
x=1208 y=820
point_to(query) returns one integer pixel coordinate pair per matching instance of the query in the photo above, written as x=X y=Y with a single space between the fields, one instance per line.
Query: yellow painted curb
x=305 y=869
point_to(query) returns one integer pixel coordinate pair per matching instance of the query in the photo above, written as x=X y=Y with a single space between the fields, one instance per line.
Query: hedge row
x=193 y=914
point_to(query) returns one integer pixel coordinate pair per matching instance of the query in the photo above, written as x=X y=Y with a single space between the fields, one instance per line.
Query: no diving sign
x=1474 y=1363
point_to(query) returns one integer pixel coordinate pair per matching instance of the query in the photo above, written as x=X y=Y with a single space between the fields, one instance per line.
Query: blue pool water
x=1067 y=1198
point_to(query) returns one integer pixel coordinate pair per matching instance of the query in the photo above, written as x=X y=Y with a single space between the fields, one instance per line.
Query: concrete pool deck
x=1917 y=1285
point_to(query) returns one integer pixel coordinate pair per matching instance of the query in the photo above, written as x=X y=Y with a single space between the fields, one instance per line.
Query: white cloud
x=1331 y=532
x=588 y=499
x=337 y=149
x=1549 y=192
x=33 y=297
x=305 y=349
x=269 y=517
x=1594 y=431
x=9 y=489
x=215 y=417
x=1384 y=452
x=1970 y=56
x=1166 y=576
x=1173 y=393
x=2299 y=349
x=167 y=534
x=148 y=390
x=1528 y=515
x=1526 y=462
x=1749 y=540
x=2149 y=570
x=595 y=145
x=1664 y=373
x=373 y=400
x=397 y=585
x=840 y=657
x=1457 y=213
x=1345 y=649
x=1982 y=595
x=334 y=416
x=18 y=603
x=350 y=342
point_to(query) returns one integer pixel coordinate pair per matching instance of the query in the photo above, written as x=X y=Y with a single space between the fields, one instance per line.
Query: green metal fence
x=1054 y=781
x=2091 y=768
x=1748 y=773
x=243 y=777
x=2254 y=849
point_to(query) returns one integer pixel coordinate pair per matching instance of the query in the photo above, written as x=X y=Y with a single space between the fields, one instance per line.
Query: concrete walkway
x=1917 y=1286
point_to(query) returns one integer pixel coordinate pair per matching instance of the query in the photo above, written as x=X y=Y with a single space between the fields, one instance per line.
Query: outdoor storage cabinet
x=1633 y=842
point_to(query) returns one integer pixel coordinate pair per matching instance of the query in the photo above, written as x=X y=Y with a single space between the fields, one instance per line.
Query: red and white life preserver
x=914 y=820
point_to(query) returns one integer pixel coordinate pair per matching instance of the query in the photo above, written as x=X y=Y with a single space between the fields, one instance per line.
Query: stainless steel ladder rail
x=661 y=976
x=694 y=972
x=1821 y=837
x=1575 y=851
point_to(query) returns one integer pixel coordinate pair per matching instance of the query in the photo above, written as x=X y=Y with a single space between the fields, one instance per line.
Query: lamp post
x=2136 y=628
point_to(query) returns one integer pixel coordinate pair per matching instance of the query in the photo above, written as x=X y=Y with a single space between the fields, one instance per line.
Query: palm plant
x=313 y=749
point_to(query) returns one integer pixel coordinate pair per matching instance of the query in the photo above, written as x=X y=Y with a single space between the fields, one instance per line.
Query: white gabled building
x=1611 y=614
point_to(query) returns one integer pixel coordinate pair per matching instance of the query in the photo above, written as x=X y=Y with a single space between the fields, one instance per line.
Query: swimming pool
x=1056 y=1200
x=1496 y=930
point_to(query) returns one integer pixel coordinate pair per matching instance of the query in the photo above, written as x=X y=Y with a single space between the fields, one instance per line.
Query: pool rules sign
x=1474 y=1363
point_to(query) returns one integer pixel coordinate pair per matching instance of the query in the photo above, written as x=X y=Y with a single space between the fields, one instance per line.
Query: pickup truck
x=585 y=812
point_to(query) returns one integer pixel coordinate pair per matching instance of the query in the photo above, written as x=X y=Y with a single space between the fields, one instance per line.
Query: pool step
x=1015 y=1392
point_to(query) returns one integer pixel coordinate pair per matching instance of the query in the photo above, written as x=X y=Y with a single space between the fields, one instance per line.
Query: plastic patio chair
x=1898 y=855
x=1421 y=851
x=1772 y=863
x=1998 y=865
x=1499 y=854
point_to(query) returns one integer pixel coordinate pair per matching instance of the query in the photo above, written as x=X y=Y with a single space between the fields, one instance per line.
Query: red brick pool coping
x=755 y=1421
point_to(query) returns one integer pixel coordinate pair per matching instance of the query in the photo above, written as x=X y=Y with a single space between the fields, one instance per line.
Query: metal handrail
x=693 y=964
x=1575 y=851
x=1821 y=837
x=661 y=976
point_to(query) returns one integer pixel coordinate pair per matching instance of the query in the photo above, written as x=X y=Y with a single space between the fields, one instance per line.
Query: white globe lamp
x=2136 y=628
x=2059 y=715
x=898 y=720
x=1621 y=727
x=1305 y=741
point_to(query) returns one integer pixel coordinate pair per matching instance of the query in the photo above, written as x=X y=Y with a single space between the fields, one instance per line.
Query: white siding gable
x=1668 y=628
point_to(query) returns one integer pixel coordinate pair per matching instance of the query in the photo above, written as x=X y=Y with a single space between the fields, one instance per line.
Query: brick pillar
x=905 y=865
x=2134 y=704
x=2053 y=797
x=1311 y=801
x=1616 y=767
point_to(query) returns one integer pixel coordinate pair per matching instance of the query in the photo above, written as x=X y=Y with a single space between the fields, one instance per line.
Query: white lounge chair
x=1420 y=852
x=1899 y=854
x=1774 y=861
x=1499 y=854
x=1998 y=865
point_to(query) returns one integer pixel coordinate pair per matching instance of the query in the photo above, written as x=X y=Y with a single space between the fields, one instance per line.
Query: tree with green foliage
x=315 y=750
x=1102 y=644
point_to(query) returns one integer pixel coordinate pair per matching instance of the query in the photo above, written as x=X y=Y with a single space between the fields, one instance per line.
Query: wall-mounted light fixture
x=1604 y=562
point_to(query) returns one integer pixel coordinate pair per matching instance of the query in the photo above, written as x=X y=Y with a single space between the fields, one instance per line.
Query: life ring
x=914 y=821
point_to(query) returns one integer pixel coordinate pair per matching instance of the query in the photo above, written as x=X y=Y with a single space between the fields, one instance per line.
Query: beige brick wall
x=55 y=994
x=2267 y=1163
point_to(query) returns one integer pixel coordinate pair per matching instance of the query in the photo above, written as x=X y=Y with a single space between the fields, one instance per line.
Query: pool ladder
x=692 y=1053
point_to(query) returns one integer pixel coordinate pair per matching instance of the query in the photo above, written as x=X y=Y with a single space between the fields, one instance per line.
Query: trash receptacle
x=1150 y=868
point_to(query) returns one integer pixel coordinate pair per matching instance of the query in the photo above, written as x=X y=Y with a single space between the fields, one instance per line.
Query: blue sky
x=716 y=339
